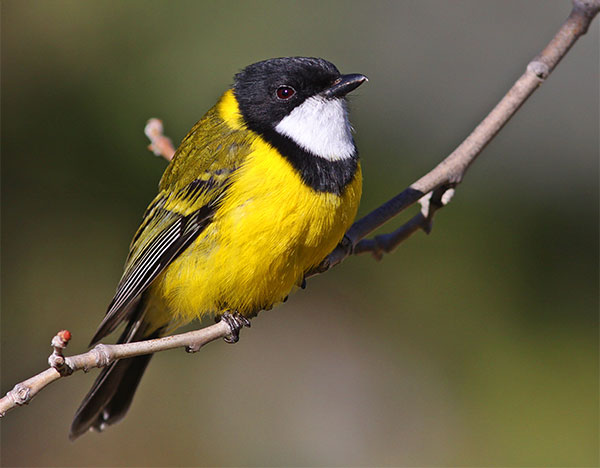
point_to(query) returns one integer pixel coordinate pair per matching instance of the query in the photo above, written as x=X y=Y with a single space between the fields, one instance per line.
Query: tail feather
x=110 y=397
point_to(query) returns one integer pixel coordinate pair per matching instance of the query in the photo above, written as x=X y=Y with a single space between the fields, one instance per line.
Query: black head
x=268 y=91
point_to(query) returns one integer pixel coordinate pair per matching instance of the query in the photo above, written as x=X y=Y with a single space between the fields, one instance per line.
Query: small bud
x=65 y=335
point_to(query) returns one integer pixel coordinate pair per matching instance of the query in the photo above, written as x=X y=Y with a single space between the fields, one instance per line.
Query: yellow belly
x=269 y=230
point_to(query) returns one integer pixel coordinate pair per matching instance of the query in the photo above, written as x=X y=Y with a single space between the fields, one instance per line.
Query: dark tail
x=111 y=395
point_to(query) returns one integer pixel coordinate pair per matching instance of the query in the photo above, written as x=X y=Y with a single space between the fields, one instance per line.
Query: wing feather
x=154 y=258
x=190 y=191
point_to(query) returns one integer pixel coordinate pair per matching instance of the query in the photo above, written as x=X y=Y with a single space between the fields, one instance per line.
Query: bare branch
x=104 y=354
x=451 y=170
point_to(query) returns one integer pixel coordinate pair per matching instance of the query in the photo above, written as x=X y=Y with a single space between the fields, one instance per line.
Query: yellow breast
x=270 y=229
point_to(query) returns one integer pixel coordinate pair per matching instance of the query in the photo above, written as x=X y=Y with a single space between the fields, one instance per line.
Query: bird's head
x=299 y=98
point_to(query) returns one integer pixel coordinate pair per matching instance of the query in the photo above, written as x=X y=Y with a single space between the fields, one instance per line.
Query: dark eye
x=285 y=92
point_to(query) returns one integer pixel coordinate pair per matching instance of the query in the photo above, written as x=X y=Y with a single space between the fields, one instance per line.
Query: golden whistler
x=261 y=189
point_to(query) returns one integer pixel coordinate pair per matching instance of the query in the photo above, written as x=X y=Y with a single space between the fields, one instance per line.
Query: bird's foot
x=236 y=322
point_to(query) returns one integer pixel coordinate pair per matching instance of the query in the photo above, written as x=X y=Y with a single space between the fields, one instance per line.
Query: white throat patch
x=321 y=127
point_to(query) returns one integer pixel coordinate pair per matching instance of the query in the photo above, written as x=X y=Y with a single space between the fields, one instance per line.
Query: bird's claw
x=236 y=322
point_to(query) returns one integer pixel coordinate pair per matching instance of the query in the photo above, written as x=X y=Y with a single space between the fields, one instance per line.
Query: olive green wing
x=190 y=191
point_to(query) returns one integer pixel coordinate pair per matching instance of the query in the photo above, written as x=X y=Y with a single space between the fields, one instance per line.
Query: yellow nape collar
x=229 y=110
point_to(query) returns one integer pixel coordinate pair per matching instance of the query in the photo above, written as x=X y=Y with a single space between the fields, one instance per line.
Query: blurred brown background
x=476 y=345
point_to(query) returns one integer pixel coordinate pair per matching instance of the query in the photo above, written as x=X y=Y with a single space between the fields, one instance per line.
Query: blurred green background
x=476 y=345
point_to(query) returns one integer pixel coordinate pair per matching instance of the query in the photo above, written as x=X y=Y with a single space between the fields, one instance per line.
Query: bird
x=258 y=193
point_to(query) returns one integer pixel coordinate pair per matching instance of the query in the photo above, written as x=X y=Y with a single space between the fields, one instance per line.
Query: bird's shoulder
x=200 y=171
x=214 y=148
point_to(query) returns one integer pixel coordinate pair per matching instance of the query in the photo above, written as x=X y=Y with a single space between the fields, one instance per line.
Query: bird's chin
x=320 y=125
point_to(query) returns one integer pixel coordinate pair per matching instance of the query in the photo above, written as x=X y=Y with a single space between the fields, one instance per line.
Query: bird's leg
x=236 y=322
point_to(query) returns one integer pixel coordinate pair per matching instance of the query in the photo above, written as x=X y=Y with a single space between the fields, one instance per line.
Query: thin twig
x=386 y=243
x=160 y=145
x=102 y=355
x=440 y=181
